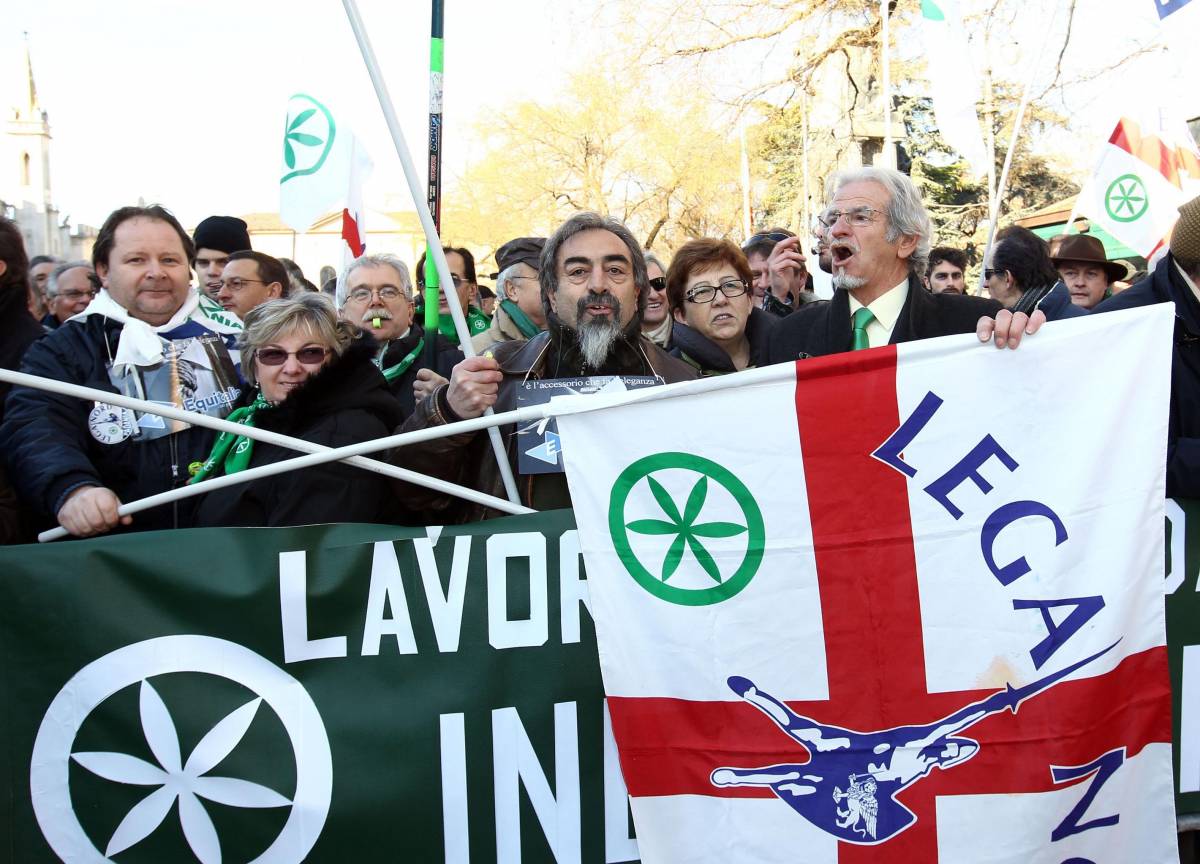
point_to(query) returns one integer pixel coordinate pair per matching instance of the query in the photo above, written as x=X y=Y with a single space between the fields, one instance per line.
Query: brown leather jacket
x=468 y=459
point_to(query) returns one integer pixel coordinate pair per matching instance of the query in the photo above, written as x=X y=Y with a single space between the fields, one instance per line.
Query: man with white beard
x=374 y=293
x=879 y=237
x=594 y=287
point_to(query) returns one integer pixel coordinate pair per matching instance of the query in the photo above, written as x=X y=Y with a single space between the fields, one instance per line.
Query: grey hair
x=651 y=258
x=380 y=259
x=577 y=224
x=56 y=274
x=503 y=278
x=906 y=211
x=306 y=311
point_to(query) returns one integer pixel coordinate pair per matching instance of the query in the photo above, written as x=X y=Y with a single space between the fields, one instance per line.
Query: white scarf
x=140 y=343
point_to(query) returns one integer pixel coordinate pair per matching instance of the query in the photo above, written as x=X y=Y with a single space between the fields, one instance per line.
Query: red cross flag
x=895 y=605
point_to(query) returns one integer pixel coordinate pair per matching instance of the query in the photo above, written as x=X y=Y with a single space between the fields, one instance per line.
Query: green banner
x=345 y=693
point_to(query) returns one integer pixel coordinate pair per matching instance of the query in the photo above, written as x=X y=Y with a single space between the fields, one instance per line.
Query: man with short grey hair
x=69 y=290
x=518 y=316
x=593 y=281
x=374 y=293
x=878 y=233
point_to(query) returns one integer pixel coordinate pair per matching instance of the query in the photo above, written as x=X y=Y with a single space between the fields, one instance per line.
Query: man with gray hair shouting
x=593 y=280
x=879 y=237
x=374 y=293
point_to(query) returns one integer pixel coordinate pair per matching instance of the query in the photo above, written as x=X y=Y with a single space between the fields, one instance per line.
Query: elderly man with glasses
x=374 y=294
x=69 y=290
x=878 y=233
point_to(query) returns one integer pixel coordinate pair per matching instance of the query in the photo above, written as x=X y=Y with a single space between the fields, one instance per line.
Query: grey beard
x=849 y=283
x=596 y=338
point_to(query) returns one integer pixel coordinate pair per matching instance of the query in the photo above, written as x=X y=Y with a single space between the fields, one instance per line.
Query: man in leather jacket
x=593 y=282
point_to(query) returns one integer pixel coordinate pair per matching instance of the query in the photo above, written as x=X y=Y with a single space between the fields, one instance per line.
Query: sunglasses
x=658 y=283
x=988 y=273
x=310 y=355
x=773 y=236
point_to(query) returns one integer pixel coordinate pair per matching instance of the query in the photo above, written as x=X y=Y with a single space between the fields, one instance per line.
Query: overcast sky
x=183 y=102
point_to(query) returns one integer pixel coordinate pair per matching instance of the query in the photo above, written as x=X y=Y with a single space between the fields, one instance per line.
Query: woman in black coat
x=315 y=380
x=717 y=329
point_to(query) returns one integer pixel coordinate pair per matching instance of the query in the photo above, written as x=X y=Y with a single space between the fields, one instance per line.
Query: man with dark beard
x=594 y=285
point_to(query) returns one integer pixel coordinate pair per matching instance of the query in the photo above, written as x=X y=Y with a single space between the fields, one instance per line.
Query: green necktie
x=861 y=319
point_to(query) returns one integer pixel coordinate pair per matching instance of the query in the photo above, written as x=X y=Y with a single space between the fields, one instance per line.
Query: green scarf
x=526 y=327
x=231 y=452
x=477 y=322
x=393 y=372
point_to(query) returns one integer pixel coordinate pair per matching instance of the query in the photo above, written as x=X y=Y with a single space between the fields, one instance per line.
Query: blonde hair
x=308 y=312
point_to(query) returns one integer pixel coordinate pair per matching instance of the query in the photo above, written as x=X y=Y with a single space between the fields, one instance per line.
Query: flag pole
x=434 y=186
x=994 y=215
x=432 y=238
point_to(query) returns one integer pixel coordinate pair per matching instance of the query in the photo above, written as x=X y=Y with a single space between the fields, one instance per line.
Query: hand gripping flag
x=1148 y=167
x=898 y=605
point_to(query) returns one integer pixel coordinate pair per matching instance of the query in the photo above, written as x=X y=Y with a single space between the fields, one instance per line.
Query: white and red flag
x=896 y=605
x=1149 y=166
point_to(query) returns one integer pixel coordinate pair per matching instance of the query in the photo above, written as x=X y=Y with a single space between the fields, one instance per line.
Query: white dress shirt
x=886 y=310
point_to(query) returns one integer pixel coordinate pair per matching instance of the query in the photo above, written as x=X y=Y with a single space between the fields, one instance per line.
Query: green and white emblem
x=702 y=552
x=1126 y=198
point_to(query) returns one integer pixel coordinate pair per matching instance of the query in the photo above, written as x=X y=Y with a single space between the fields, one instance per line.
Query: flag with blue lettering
x=894 y=605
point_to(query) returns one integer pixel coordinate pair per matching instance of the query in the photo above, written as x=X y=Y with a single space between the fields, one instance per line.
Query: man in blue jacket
x=1175 y=280
x=146 y=335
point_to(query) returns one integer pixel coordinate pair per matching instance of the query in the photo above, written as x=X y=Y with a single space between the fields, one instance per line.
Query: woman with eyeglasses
x=656 y=317
x=717 y=327
x=311 y=376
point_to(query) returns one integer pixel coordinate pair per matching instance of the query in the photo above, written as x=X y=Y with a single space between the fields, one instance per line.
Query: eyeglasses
x=73 y=296
x=457 y=280
x=236 y=284
x=858 y=217
x=387 y=293
x=773 y=236
x=988 y=273
x=708 y=293
x=658 y=283
x=309 y=355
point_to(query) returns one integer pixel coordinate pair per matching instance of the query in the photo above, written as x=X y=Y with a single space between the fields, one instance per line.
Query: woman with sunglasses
x=656 y=317
x=717 y=327
x=311 y=376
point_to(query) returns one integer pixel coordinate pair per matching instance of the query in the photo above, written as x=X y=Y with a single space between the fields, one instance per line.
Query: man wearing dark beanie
x=216 y=238
x=1176 y=279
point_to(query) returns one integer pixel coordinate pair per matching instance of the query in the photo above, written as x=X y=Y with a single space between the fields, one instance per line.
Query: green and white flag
x=953 y=83
x=317 y=159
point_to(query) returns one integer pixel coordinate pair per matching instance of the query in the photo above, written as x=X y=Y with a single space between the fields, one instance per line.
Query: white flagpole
x=431 y=234
x=889 y=153
x=994 y=215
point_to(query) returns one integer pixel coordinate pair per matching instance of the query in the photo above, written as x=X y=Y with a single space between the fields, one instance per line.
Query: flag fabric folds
x=902 y=604
x=1148 y=167
x=953 y=83
x=323 y=164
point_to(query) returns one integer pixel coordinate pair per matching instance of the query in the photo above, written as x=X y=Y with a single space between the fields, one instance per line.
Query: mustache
x=594 y=299
x=843 y=244
x=379 y=312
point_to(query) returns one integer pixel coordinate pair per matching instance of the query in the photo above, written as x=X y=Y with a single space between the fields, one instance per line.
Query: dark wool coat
x=347 y=402
x=817 y=329
x=447 y=357
x=1166 y=285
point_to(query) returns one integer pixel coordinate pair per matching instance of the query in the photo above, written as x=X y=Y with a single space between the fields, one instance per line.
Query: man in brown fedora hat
x=1175 y=279
x=1084 y=268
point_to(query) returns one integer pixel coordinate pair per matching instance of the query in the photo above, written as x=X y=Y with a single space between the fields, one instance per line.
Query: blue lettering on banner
x=1001 y=519
x=1104 y=768
x=1166 y=7
x=1057 y=635
x=968 y=469
x=891 y=451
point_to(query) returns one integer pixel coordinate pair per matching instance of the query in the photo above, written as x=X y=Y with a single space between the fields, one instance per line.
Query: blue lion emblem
x=874 y=766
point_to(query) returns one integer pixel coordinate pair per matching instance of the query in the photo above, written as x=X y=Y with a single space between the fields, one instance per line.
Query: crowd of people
x=251 y=341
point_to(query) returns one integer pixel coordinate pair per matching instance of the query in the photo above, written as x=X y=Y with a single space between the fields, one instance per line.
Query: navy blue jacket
x=1166 y=285
x=50 y=451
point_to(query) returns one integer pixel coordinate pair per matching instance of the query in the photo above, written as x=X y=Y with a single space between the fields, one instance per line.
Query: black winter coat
x=696 y=349
x=18 y=330
x=347 y=402
x=817 y=329
x=448 y=355
x=51 y=452
x=1166 y=285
